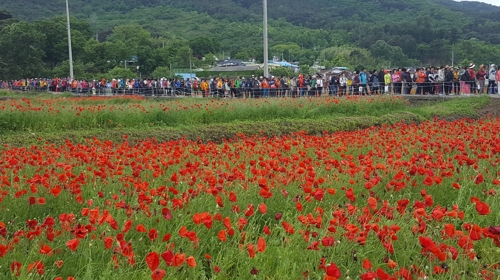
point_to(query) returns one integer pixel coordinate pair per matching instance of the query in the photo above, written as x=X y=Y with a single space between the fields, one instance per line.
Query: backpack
x=465 y=76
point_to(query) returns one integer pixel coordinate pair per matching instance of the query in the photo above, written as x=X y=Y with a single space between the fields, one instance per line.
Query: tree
x=161 y=72
x=133 y=36
x=210 y=59
x=282 y=71
x=243 y=55
x=21 y=50
x=120 y=73
x=203 y=45
x=56 y=40
x=62 y=70
x=183 y=57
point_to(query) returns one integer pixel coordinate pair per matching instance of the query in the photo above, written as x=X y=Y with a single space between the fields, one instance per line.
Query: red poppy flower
x=15 y=268
x=108 y=242
x=46 y=250
x=153 y=234
x=261 y=245
x=332 y=270
x=191 y=261
x=267 y=230
x=263 y=208
x=168 y=257
x=166 y=214
x=367 y=264
x=251 y=250
x=153 y=261
x=38 y=266
x=73 y=244
x=158 y=274
x=59 y=263
x=222 y=235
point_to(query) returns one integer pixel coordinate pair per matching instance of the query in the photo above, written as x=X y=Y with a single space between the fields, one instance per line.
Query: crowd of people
x=431 y=80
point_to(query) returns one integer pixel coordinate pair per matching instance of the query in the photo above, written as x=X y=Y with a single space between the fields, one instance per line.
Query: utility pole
x=266 y=58
x=69 y=44
x=190 y=63
x=452 y=57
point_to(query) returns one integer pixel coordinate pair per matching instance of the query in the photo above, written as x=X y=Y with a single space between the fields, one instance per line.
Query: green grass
x=26 y=118
x=213 y=132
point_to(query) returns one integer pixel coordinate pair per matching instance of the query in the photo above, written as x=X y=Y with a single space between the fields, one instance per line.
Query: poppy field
x=402 y=201
x=63 y=113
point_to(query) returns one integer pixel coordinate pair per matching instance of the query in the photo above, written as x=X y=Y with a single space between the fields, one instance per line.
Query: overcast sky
x=493 y=2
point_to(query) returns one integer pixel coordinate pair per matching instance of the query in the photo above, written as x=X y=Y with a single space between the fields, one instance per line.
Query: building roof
x=234 y=68
x=186 y=75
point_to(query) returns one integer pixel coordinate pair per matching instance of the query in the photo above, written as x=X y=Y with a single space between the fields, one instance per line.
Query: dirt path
x=492 y=109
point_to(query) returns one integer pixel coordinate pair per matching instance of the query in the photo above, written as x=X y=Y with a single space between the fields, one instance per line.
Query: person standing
x=472 y=81
x=407 y=81
x=456 y=80
x=374 y=81
x=363 y=82
x=319 y=86
x=421 y=78
x=464 y=80
x=387 y=82
x=481 y=77
x=497 y=77
x=381 y=79
x=334 y=84
x=265 y=88
x=492 y=79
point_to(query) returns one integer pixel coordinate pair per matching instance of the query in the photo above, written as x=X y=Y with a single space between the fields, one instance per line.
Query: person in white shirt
x=319 y=86
x=343 y=84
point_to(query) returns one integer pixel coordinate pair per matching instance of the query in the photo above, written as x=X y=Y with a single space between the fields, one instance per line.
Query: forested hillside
x=161 y=33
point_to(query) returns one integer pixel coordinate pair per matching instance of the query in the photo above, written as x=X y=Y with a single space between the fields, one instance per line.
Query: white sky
x=492 y=2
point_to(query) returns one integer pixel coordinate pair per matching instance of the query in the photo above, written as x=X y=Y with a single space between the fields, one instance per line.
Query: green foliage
x=62 y=70
x=173 y=32
x=21 y=52
x=282 y=71
x=120 y=116
x=161 y=71
x=203 y=45
x=120 y=73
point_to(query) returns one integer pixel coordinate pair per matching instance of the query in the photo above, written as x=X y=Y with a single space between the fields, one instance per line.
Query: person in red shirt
x=421 y=76
x=301 y=85
x=472 y=74
x=64 y=84
x=481 y=76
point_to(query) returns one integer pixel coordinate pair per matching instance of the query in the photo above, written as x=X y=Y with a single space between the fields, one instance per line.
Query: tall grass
x=61 y=114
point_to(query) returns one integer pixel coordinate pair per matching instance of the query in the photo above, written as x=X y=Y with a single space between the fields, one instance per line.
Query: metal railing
x=455 y=87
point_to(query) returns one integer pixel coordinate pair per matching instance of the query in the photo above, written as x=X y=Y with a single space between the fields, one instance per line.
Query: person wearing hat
x=472 y=74
x=492 y=79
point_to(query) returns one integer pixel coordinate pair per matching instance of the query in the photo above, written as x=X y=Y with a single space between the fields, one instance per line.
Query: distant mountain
x=354 y=32
x=469 y=6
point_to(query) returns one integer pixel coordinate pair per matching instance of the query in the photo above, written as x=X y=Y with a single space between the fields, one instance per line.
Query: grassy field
x=24 y=120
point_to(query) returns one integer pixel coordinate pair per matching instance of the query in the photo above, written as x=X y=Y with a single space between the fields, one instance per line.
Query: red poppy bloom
x=73 y=244
x=158 y=274
x=15 y=268
x=153 y=261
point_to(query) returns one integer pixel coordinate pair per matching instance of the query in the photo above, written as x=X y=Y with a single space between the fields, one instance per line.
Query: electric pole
x=69 y=44
x=266 y=58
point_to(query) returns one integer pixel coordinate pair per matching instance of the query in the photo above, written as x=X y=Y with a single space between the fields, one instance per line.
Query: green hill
x=355 y=33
